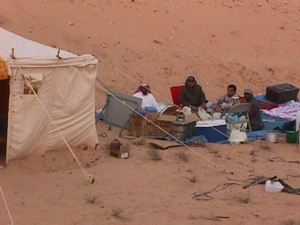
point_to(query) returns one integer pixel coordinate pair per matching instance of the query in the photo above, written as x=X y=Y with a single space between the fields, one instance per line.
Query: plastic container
x=213 y=134
x=292 y=137
x=273 y=186
x=272 y=137
x=149 y=109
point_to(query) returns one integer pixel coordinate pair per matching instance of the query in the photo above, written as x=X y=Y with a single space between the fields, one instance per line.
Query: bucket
x=292 y=137
x=272 y=137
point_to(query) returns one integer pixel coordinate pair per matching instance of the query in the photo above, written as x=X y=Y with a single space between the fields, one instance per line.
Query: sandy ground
x=251 y=43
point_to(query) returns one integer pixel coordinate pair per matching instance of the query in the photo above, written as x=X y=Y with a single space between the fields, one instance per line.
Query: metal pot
x=272 y=137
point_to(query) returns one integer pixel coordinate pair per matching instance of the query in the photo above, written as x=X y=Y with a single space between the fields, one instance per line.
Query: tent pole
x=13 y=53
x=57 y=55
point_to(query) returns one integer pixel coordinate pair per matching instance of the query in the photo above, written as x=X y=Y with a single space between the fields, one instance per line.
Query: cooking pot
x=272 y=137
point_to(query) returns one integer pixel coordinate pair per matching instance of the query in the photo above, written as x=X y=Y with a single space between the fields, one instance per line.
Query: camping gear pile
x=186 y=125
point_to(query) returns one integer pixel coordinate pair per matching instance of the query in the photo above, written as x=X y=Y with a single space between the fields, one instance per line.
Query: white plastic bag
x=273 y=186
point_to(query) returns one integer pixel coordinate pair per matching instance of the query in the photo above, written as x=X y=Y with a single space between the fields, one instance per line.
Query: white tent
x=66 y=88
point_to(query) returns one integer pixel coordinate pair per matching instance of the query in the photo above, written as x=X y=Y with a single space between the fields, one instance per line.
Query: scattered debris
x=244 y=199
x=255 y=181
x=252 y=153
x=92 y=199
x=262 y=180
x=193 y=179
x=279 y=159
x=282 y=27
x=157 y=42
x=290 y=222
x=205 y=196
x=163 y=145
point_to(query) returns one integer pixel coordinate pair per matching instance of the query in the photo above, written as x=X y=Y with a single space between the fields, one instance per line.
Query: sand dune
x=247 y=42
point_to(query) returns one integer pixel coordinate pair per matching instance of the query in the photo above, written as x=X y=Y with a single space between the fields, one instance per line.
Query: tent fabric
x=78 y=61
x=66 y=88
x=25 y=48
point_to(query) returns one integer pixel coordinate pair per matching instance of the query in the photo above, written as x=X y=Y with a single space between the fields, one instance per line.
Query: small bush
x=154 y=155
x=183 y=156
x=117 y=212
x=213 y=150
x=265 y=146
x=92 y=199
x=244 y=199
x=290 y=222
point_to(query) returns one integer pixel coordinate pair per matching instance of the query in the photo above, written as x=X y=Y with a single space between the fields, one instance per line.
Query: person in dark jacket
x=192 y=95
x=256 y=122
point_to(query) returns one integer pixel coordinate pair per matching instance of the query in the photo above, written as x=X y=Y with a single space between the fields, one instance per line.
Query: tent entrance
x=4 y=101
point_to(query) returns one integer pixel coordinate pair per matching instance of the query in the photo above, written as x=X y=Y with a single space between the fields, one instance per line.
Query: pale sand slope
x=251 y=43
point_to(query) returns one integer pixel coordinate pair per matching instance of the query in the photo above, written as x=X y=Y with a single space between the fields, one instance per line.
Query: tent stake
x=57 y=55
x=13 y=53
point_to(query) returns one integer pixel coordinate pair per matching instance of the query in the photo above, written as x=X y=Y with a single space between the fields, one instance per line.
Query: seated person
x=225 y=102
x=149 y=103
x=256 y=122
x=192 y=95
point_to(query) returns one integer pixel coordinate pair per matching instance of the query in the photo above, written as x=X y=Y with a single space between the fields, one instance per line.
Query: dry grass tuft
x=200 y=144
x=92 y=199
x=183 y=156
x=117 y=213
x=213 y=150
x=244 y=199
x=154 y=155
x=253 y=156
x=290 y=222
x=265 y=146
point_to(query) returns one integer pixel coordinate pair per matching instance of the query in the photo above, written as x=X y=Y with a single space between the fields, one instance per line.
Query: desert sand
x=247 y=42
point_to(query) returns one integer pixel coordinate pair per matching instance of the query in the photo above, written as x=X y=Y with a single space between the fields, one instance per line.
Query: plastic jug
x=273 y=186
